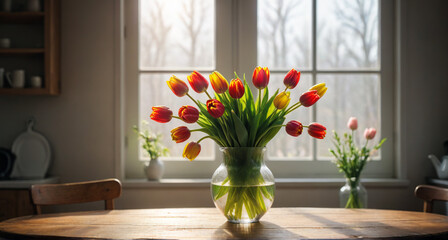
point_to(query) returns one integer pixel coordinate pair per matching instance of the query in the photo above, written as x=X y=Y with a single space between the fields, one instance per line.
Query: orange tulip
x=197 y=82
x=161 y=114
x=191 y=150
x=291 y=79
x=294 y=128
x=317 y=130
x=260 y=78
x=282 y=100
x=219 y=83
x=178 y=86
x=180 y=134
x=309 y=98
x=215 y=108
x=236 y=89
x=188 y=114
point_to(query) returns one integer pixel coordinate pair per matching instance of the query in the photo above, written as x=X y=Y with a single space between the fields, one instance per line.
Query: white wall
x=80 y=122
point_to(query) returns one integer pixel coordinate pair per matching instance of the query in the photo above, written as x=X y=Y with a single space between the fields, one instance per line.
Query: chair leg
x=427 y=206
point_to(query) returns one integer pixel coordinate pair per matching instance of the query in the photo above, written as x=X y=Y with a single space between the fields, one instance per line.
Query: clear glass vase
x=353 y=194
x=242 y=186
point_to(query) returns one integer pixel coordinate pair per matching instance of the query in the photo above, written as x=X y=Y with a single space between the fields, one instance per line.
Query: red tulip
x=292 y=79
x=191 y=150
x=309 y=98
x=180 y=134
x=188 y=114
x=215 y=108
x=294 y=128
x=369 y=133
x=219 y=83
x=161 y=114
x=260 y=78
x=236 y=89
x=197 y=82
x=317 y=130
x=352 y=123
x=178 y=86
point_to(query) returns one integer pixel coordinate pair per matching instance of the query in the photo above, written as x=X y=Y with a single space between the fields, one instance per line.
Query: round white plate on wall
x=33 y=155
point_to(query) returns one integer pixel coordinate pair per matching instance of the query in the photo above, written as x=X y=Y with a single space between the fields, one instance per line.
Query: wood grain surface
x=209 y=223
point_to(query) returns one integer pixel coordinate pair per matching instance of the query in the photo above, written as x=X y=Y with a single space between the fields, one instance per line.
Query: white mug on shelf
x=36 y=82
x=18 y=78
x=5 y=43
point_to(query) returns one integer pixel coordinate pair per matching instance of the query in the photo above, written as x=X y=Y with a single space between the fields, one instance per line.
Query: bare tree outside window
x=177 y=34
x=284 y=34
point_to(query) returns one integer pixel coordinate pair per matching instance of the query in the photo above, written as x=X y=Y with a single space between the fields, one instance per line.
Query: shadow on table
x=374 y=230
x=260 y=230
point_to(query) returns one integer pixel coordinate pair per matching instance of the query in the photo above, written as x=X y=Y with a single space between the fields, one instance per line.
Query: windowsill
x=279 y=182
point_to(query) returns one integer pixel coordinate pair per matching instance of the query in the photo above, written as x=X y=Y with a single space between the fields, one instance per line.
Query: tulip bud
x=219 y=83
x=320 y=88
x=236 y=89
x=178 y=86
x=215 y=108
x=197 y=82
x=294 y=128
x=369 y=133
x=191 y=150
x=188 y=114
x=309 y=98
x=282 y=100
x=161 y=114
x=352 y=123
x=317 y=130
x=180 y=134
x=291 y=79
x=260 y=78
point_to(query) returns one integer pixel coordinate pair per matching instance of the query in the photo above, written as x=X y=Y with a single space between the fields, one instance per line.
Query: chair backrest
x=429 y=194
x=80 y=192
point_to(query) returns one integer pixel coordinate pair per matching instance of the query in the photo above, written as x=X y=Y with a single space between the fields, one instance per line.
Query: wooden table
x=208 y=223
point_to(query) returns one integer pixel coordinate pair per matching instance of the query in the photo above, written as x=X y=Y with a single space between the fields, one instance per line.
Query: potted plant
x=155 y=149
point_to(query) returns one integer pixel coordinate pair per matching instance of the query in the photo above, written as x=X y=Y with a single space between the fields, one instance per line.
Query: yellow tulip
x=282 y=100
x=320 y=88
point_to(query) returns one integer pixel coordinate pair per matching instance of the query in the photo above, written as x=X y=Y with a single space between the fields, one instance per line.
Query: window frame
x=236 y=52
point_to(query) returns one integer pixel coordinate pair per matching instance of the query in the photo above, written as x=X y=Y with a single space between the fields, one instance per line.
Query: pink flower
x=352 y=123
x=369 y=133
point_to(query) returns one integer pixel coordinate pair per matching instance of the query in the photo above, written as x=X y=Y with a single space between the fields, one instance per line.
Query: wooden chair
x=80 y=192
x=429 y=194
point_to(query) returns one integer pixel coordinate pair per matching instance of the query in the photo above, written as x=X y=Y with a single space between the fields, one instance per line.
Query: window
x=347 y=44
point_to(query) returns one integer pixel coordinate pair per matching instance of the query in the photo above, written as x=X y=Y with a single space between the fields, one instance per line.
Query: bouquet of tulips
x=233 y=117
x=351 y=159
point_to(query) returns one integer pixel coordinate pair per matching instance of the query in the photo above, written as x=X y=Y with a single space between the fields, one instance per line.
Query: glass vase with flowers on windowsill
x=242 y=187
x=351 y=160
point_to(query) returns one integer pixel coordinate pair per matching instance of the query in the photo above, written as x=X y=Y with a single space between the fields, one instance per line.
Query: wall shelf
x=21 y=51
x=35 y=47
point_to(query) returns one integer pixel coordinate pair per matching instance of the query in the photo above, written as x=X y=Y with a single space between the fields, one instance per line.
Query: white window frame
x=236 y=51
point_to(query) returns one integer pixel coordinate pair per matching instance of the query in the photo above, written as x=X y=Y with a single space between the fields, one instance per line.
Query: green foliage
x=349 y=158
x=151 y=143
x=247 y=122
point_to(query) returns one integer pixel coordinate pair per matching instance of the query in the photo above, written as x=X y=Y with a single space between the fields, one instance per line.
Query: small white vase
x=154 y=169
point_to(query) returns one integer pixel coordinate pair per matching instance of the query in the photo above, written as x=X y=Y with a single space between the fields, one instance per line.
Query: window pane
x=154 y=92
x=177 y=33
x=284 y=34
x=351 y=95
x=347 y=34
x=284 y=146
